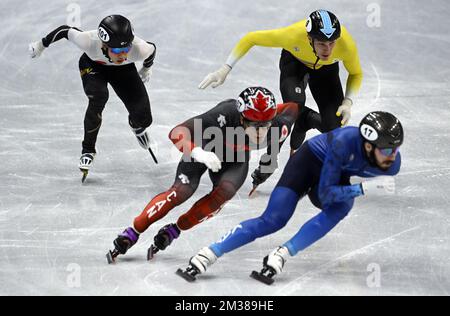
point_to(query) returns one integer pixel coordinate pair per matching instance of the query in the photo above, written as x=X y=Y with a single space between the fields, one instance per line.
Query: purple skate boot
x=163 y=239
x=122 y=243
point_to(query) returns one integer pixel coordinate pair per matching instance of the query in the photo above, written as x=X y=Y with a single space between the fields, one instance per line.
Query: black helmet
x=116 y=31
x=323 y=25
x=382 y=129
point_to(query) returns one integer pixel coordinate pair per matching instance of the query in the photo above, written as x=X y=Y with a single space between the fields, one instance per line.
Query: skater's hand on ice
x=35 y=49
x=208 y=158
x=345 y=111
x=384 y=185
x=145 y=74
x=215 y=78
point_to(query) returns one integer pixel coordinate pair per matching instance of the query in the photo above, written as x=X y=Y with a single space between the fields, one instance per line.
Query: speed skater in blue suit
x=321 y=169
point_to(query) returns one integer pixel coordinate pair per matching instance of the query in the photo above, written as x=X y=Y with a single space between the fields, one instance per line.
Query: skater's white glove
x=345 y=111
x=384 y=185
x=145 y=74
x=215 y=78
x=208 y=158
x=35 y=49
x=277 y=258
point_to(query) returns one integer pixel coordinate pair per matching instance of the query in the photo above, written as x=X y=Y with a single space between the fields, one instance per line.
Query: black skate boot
x=122 y=243
x=163 y=239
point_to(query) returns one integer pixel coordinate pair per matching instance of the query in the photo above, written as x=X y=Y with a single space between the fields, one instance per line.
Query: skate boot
x=85 y=164
x=143 y=139
x=272 y=264
x=163 y=239
x=198 y=264
x=122 y=243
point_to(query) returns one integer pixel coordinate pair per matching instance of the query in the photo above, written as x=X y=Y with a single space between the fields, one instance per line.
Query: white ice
x=54 y=232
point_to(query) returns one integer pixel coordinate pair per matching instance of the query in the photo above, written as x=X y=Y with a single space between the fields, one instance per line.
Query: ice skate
x=122 y=243
x=272 y=265
x=86 y=161
x=163 y=239
x=198 y=264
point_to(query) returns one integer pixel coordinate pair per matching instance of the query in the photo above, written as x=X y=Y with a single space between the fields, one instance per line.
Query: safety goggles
x=388 y=151
x=120 y=50
x=266 y=124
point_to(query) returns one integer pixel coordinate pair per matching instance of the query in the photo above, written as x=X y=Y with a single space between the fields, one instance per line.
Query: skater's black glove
x=263 y=172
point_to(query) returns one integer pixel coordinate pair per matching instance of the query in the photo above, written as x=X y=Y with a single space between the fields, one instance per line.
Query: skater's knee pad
x=224 y=191
x=273 y=223
x=338 y=211
x=182 y=193
x=97 y=95
x=141 y=119
x=314 y=197
x=262 y=226
x=293 y=90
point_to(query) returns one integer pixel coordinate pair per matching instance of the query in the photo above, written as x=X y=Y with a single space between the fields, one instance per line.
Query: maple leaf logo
x=260 y=102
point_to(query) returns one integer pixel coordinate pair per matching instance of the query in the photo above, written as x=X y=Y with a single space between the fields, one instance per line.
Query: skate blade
x=153 y=155
x=85 y=174
x=261 y=278
x=151 y=252
x=111 y=257
x=252 y=191
x=185 y=275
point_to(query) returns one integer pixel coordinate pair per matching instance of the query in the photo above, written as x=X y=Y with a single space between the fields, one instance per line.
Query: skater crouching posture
x=259 y=123
x=109 y=56
x=321 y=168
x=311 y=51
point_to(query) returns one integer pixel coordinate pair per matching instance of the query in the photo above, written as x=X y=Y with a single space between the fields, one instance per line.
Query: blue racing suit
x=321 y=168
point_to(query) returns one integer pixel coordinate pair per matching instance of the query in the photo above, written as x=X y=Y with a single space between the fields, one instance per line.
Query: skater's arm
x=151 y=53
x=182 y=137
x=353 y=66
x=330 y=191
x=57 y=34
x=286 y=116
x=266 y=38
x=143 y=51
x=189 y=134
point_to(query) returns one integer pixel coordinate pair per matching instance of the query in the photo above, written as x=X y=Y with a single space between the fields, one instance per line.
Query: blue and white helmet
x=323 y=25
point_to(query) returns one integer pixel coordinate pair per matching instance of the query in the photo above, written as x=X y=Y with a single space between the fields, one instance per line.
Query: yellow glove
x=345 y=111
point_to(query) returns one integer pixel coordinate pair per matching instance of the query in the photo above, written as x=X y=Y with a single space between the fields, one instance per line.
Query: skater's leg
x=318 y=226
x=226 y=183
x=186 y=182
x=95 y=88
x=326 y=89
x=281 y=206
x=300 y=174
x=293 y=82
x=131 y=90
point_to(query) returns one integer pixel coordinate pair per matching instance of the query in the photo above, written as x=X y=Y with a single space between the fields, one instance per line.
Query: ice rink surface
x=54 y=232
